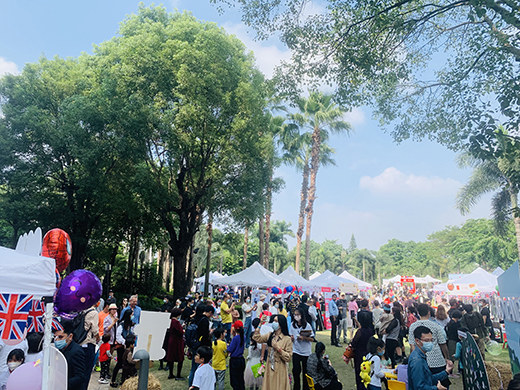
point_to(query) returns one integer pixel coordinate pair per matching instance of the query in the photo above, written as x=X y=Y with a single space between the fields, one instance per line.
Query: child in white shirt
x=376 y=349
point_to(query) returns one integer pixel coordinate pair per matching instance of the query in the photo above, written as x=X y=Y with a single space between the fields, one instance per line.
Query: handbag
x=349 y=353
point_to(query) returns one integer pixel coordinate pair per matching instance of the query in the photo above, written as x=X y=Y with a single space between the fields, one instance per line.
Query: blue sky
x=378 y=190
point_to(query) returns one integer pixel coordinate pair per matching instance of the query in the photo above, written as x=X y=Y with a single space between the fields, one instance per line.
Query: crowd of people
x=253 y=341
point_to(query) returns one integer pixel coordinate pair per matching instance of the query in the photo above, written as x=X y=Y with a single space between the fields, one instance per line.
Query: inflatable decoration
x=78 y=291
x=493 y=348
x=26 y=377
x=57 y=246
x=58 y=279
x=450 y=286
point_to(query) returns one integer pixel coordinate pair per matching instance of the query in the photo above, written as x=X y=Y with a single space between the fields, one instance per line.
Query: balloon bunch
x=81 y=289
x=289 y=289
x=275 y=290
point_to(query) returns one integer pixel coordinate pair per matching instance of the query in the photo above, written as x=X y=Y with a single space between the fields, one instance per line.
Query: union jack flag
x=35 y=317
x=56 y=324
x=14 y=309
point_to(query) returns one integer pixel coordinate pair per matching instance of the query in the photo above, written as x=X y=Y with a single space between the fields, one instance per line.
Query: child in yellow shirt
x=219 y=357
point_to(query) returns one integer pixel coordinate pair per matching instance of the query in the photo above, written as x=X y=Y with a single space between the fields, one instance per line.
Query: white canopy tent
x=254 y=276
x=440 y=287
x=361 y=284
x=24 y=273
x=314 y=275
x=479 y=280
x=291 y=277
x=395 y=279
x=498 y=271
x=27 y=274
x=212 y=276
x=426 y=280
x=328 y=279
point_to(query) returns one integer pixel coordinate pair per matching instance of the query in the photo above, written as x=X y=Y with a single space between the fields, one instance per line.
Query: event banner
x=509 y=309
x=475 y=375
x=327 y=296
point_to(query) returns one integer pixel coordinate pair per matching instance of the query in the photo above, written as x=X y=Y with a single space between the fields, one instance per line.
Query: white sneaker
x=103 y=381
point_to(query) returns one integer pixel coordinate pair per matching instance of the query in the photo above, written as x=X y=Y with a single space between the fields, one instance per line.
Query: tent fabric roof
x=395 y=279
x=483 y=280
x=328 y=279
x=256 y=275
x=361 y=284
x=427 y=279
x=212 y=275
x=27 y=274
x=291 y=277
x=498 y=271
x=314 y=275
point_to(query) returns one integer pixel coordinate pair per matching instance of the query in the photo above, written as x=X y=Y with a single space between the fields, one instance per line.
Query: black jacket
x=77 y=370
x=305 y=308
x=203 y=331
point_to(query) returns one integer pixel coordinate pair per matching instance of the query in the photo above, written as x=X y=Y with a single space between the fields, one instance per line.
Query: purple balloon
x=26 y=377
x=78 y=291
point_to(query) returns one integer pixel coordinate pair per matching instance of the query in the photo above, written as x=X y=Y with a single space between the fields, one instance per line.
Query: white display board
x=150 y=332
x=348 y=288
x=58 y=370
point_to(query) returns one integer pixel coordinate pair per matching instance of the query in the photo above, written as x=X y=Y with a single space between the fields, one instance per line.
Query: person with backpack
x=198 y=334
x=78 y=372
x=376 y=349
x=475 y=323
x=86 y=333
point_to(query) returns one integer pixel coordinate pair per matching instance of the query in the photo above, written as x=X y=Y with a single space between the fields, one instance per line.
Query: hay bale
x=131 y=383
x=494 y=379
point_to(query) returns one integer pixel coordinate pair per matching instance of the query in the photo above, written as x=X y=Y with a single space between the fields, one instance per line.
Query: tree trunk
x=221 y=263
x=364 y=275
x=315 y=164
x=261 y=237
x=301 y=217
x=268 y=224
x=516 y=217
x=209 y=229
x=246 y=243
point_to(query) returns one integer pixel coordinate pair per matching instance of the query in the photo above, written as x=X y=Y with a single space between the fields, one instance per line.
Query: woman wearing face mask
x=247 y=310
x=302 y=337
x=15 y=359
x=278 y=355
x=376 y=350
x=217 y=319
x=273 y=308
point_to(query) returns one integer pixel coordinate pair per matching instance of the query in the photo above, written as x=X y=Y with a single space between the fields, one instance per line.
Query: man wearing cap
x=259 y=305
x=111 y=298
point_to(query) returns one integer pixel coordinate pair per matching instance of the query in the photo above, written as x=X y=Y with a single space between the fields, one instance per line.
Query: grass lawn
x=345 y=372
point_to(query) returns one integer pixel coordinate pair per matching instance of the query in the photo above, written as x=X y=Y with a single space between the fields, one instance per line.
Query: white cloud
x=393 y=181
x=355 y=117
x=268 y=56
x=7 y=67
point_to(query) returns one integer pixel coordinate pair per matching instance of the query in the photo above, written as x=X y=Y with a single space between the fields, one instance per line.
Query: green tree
x=493 y=175
x=297 y=152
x=321 y=116
x=199 y=103
x=435 y=69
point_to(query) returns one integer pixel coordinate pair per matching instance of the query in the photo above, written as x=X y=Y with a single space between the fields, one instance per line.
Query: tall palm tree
x=321 y=115
x=489 y=176
x=297 y=152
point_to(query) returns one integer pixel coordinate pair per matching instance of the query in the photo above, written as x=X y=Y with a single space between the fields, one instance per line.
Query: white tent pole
x=49 y=308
